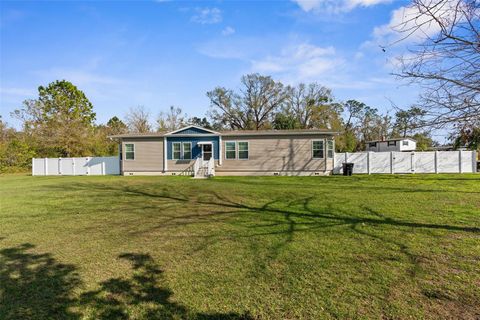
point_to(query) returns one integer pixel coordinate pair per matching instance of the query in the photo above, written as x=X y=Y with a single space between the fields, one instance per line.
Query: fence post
x=459 y=161
x=474 y=161
x=45 y=165
x=368 y=162
x=73 y=166
x=391 y=162
x=346 y=156
x=412 y=162
x=436 y=161
x=103 y=168
x=33 y=166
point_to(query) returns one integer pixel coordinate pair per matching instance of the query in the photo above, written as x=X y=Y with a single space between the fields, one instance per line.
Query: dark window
x=405 y=142
x=230 y=150
x=243 y=150
x=372 y=144
x=330 y=149
x=317 y=149
x=177 y=151
x=129 y=151
x=392 y=143
x=187 y=150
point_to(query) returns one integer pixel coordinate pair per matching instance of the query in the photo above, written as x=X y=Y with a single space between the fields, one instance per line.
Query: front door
x=206 y=152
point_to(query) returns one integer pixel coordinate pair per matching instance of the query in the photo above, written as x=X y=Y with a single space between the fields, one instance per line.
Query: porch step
x=201 y=173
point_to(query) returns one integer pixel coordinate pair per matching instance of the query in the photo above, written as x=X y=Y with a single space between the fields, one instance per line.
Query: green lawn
x=240 y=248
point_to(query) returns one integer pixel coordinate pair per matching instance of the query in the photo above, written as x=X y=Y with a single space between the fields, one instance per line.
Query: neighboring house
x=400 y=144
x=202 y=152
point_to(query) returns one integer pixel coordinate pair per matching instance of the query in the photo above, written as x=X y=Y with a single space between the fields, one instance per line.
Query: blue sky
x=161 y=53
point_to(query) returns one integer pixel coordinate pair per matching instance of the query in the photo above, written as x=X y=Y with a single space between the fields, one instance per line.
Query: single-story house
x=399 y=144
x=202 y=152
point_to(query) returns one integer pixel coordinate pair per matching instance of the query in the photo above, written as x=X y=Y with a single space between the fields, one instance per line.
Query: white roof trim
x=188 y=127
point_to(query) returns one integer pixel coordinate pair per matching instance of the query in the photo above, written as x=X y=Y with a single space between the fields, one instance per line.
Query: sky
x=124 y=54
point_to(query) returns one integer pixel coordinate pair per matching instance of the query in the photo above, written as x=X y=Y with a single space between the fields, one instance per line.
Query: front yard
x=240 y=248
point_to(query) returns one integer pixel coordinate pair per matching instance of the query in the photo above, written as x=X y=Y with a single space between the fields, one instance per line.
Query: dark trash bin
x=347 y=168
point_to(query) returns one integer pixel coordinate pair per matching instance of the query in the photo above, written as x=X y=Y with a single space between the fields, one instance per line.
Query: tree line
x=61 y=121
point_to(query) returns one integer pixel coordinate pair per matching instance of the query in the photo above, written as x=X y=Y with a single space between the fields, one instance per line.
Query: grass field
x=240 y=248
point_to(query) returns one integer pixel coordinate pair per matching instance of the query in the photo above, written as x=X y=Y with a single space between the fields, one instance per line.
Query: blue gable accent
x=192 y=130
x=196 y=151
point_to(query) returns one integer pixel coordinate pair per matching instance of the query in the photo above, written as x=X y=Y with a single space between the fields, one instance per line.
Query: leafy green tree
x=200 y=122
x=424 y=141
x=60 y=121
x=116 y=126
x=408 y=121
x=285 y=121
x=15 y=154
x=468 y=137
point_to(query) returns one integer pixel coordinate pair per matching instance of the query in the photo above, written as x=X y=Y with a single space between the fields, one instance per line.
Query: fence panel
x=468 y=162
x=448 y=162
x=424 y=162
x=76 y=166
x=66 y=166
x=402 y=162
x=380 y=162
x=408 y=162
x=360 y=160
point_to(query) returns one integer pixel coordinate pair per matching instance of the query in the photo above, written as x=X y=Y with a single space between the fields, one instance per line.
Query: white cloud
x=417 y=26
x=228 y=31
x=335 y=6
x=207 y=16
x=299 y=62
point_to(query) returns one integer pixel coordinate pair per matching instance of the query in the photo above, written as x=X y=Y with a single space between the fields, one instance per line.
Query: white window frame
x=323 y=148
x=332 y=142
x=405 y=143
x=133 y=144
x=238 y=150
x=173 y=150
x=182 y=153
x=235 y=151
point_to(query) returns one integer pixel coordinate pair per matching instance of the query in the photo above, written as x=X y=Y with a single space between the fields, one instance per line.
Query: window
x=230 y=150
x=243 y=150
x=177 y=152
x=372 y=144
x=129 y=151
x=317 y=149
x=392 y=143
x=187 y=150
x=405 y=143
x=330 y=149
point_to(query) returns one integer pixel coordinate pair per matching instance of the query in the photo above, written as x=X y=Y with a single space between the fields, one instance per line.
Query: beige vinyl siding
x=277 y=154
x=148 y=155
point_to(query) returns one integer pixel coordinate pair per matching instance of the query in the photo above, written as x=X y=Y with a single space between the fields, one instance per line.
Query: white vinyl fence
x=408 y=162
x=75 y=166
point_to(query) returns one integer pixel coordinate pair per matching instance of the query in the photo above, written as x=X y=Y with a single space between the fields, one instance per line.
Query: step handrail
x=196 y=166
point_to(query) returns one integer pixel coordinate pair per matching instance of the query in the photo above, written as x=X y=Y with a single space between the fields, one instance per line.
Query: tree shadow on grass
x=141 y=294
x=36 y=286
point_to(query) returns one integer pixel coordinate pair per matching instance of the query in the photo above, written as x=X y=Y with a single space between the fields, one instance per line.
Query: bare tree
x=137 y=120
x=172 y=120
x=252 y=107
x=304 y=101
x=446 y=59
